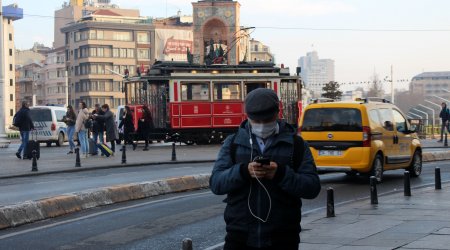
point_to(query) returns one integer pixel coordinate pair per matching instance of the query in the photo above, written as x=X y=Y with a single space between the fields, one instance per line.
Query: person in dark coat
x=22 y=120
x=70 y=119
x=111 y=130
x=264 y=198
x=145 y=125
x=128 y=127
x=98 y=127
x=445 y=117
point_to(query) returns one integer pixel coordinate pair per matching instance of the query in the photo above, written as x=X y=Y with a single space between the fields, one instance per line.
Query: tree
x=376 y=89
x=332 y=91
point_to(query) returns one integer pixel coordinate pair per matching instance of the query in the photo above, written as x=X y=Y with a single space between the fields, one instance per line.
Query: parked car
x=365 y=136
x=48 y=122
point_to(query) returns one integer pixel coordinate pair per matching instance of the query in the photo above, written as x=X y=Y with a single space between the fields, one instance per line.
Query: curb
x=32 y=211
x=435 y=156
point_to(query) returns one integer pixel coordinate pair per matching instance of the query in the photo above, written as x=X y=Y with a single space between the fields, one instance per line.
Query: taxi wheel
x=49 y=144
x=60 y=140
x=415 y=169
x=377 y=168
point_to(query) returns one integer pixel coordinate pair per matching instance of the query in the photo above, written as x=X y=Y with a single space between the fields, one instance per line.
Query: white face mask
x=264 y=130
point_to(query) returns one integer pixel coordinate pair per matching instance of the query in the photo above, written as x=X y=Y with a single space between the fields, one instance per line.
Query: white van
x=48 y=122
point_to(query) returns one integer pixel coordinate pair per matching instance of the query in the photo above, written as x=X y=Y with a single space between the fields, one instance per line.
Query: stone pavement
x=421 y=221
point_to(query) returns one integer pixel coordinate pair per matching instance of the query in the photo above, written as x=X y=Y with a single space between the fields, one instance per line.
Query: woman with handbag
x=70 y=120
x=127 y=123
x=80 y=128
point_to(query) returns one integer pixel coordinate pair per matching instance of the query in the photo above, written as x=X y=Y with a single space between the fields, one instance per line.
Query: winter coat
x=286 y=189
x=145 y=125
x=22 y=120
x=98 y=126
x=127 y=123
x=111 y=129
x=70 y=118
x=444 y=114
x=82 y=116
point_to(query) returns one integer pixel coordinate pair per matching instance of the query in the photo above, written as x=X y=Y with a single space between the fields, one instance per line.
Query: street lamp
x=433 y=120
x=420 y=111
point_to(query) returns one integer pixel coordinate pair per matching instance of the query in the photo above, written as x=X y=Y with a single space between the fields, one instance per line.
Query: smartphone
x=262 y=160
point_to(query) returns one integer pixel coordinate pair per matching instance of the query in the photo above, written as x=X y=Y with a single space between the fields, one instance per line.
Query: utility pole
x=4 y=142
x=392 y=84
x=66 y=78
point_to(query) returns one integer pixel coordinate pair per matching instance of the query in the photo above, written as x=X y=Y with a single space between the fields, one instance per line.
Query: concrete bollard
x=187 y=244
x=407 y=184
x=124 y=154
x=373 y=190
x=437 y=178
x=330 y=202
x=77 y=158
x=34 y=167
x=174 y=153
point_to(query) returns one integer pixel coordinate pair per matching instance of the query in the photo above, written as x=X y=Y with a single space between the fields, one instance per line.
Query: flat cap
x=261 y=104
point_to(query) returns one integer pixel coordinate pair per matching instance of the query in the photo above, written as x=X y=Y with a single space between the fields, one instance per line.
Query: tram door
x=290 y=94
x=158 y=97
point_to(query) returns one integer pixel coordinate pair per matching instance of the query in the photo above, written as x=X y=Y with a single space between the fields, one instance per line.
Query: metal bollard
x=174 y=153
x=124 y=154
x=187 y=244
x=77 y=159
x=445 y=140
x=407 y=184
x=330 y=202
x=437 y=178
x=34 y=167
x=373 y=190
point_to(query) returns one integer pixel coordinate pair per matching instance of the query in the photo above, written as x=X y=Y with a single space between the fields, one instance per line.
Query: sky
x=361 y=36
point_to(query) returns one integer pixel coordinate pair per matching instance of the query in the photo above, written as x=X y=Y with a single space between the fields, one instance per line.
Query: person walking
x=22 y=120
x=98 y=127
x=70 y=120
x=145 y=125
x=111 y=130
x=81 y=130
x=445 y=117
x=265 y=169
x=128 y=127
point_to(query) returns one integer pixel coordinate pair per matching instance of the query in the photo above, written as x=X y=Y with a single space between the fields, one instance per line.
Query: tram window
x=249 y=86
x=195 y=91
x=227 y=91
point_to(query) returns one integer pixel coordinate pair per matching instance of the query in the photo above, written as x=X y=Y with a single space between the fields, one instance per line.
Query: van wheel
x=60 y=140
x=49 y=144
x=377 y=168
x=415 y=169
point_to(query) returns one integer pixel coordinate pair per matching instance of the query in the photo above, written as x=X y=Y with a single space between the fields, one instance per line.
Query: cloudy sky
x=361 y=36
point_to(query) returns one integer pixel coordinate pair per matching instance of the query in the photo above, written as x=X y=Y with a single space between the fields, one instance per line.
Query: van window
x=400 y=121
x=41 y=115
x=332 y=119
x=387 y=121
x=60 y=115
x=373 y=116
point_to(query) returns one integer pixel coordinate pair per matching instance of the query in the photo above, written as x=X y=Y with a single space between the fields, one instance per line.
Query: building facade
x=10 y=14
x=30 y=83
x=316 y=72
x=54 y=75
x=260 y=52
x=431 y=84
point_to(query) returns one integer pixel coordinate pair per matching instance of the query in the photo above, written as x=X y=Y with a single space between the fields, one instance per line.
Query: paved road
x=162 y=222
x=37 y=187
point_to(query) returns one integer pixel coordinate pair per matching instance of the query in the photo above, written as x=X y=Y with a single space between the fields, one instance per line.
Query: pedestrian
x=445 y=117
x=110 y=125
x=22 y=120
x=70 y=119
x=265 y=169
x=98 y=127
x=145 y=125
x=80 y=128
x=128 y=127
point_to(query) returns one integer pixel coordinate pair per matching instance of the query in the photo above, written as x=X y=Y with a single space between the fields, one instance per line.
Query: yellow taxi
x=367 y=136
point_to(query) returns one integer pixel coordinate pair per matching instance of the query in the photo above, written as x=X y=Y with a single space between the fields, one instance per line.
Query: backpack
x=88 y=124
x=296 y=157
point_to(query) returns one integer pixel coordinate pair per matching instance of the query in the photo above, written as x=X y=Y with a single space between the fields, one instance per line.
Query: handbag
x=88 y=124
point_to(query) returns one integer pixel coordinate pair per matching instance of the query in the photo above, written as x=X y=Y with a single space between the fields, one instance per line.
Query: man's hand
x=256 y=170
x=271 y=170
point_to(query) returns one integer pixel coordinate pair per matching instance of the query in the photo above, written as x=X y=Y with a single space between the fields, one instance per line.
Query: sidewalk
x=55 y=159
x=421 y=221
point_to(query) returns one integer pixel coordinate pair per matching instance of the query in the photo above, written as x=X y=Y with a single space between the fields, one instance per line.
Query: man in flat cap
x=264 y=169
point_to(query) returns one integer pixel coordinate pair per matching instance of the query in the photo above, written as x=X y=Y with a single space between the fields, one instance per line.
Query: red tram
x=203 y=104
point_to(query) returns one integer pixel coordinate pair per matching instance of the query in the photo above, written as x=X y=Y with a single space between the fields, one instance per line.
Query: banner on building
x=173 y=44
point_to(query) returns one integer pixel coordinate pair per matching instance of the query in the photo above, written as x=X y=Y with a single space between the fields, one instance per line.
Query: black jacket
x=444 y=115
x=22 y=120
x=127 y=123
x=98 y=125
x=286 y=189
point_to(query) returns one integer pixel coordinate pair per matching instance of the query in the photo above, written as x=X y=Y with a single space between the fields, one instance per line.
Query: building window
x=122 y=36
x=9 y=21
x=143 y=37
x=10 y=67
x=11 y=97
x=10 y=52
x=11 y=82
x=11 y=112
x=10 y=36
x=143 y=53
